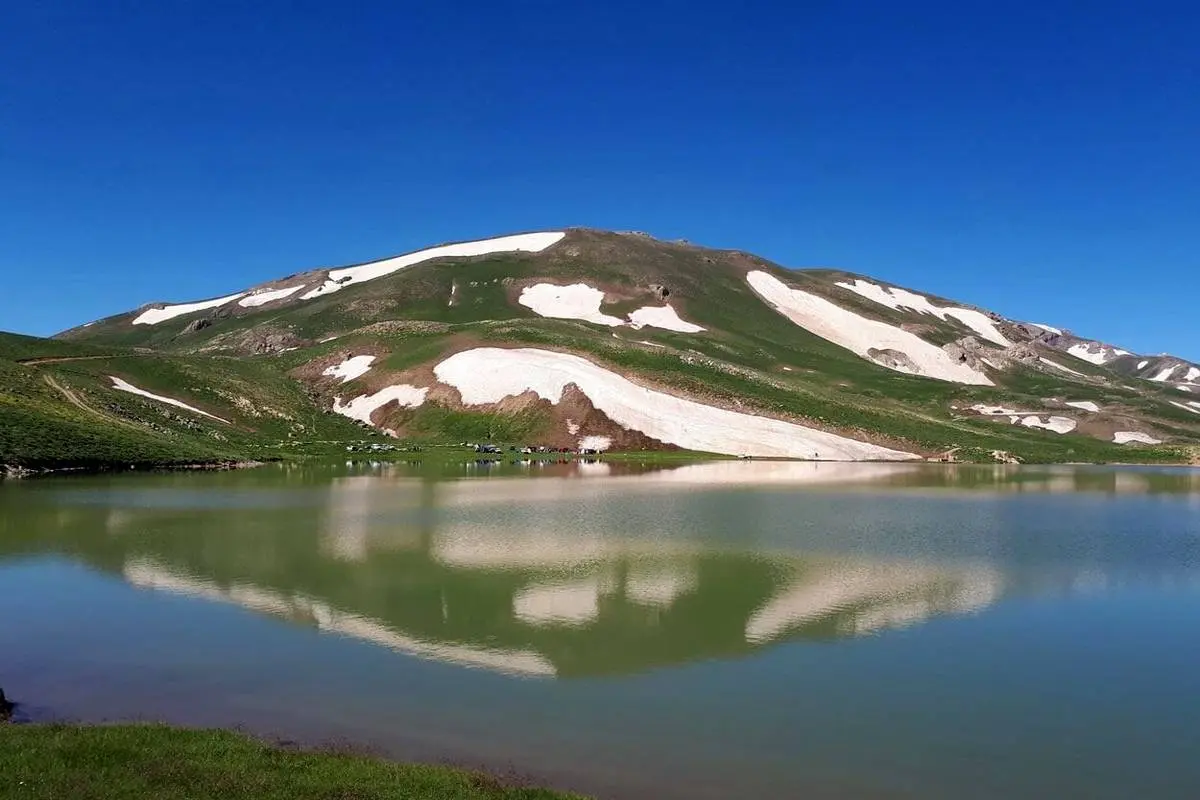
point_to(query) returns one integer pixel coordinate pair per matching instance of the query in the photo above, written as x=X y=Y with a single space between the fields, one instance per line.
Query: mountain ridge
x=763 y=360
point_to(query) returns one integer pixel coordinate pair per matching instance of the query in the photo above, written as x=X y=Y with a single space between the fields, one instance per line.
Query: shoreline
x=13 y=472
x=159 y=759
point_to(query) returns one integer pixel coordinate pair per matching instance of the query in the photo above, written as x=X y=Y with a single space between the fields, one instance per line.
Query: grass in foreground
x=137 y=761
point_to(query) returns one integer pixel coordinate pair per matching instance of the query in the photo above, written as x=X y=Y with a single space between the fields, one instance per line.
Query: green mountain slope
x=841 y=365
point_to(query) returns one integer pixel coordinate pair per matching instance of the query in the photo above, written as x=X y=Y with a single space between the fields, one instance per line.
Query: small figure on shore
x=6 y=708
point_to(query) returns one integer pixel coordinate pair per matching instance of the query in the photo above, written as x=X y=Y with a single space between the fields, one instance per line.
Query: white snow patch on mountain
x=1192 y=374
x=859 y=334
x=1086 y=405
x=1142 y=364
x=153 y=316
x=1100 y=356
x=268 y=296
x=582 y=302
x=524 y=242
x=664 y=317
x=1126 y=437
x=351 y=368
x=488 y=375
x=125 y=386
x=1165 y=374
x=597 y=443
x=1046 y=327
x=577 y=301
x=1058 y=366
x=1056 y=424
x=995 y=411
x=361 y=408
x=1190 y=405
x=902 y=299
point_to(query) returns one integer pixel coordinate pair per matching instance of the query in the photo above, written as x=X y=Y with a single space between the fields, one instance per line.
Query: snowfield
x=351 y=368
x=582 y=302
x=664 y=317
x=361 y=408
x=339 y=279
x=1102 y=355
x=125 y=386
x=577 y=301
x=1027 y=418
x=488 y=375
x=1126 y=437
x=1191 y=406
x=859 y=334
x=904 y=300
x=270 y=296
x=153 y=316
x=1085 y=405
x=1142 y=364
x=1192 y=374
x=1051 y=328
x=1056 y=424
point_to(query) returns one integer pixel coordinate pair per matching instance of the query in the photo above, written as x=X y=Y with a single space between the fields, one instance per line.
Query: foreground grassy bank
x=136 y=761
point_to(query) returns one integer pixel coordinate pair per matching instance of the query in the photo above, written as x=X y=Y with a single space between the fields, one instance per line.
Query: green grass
x=128 y=762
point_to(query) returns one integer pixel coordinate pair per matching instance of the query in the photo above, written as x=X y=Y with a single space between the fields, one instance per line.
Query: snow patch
x=1085 y=405
x=1165 y=375
x=597 y=443
x=1192 y=374
x=351 y=368
x=581 y=301
x=1058 y=366
x=361 y=408
x=1046 y=327
x=859 y=334
x=995 y=411
x=664 y=317
x=1190 y=405
x=902 y=299
x=270 y=296
x=125 y=386
x=577 y=301
x=1126 y=437
x=1142 y=364
x=488 y=375
x=1056 y=424
x=339 y=279
x=153 y=316
x=1100 y=356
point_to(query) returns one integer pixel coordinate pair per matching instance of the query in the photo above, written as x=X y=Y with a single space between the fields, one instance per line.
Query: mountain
x=588 y=339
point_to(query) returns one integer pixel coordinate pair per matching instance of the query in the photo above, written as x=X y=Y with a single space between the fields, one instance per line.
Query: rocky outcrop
x=1020 y=352
x=967 y=350
x=197 y=325
x=660 y=291
x=894 y=359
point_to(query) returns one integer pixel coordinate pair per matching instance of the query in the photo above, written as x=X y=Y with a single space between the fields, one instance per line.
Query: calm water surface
x=713 y=630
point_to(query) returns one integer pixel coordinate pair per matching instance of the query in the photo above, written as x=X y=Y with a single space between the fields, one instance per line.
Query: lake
x=711 y=630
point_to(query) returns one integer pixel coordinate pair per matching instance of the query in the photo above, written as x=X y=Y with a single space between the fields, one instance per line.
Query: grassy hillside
x=260 y=368
x=59 y=408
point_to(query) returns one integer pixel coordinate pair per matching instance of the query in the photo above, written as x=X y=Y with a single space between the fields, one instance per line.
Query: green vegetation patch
x=51 y=762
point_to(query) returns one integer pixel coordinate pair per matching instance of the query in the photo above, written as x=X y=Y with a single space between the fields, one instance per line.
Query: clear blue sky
x=1039 y=158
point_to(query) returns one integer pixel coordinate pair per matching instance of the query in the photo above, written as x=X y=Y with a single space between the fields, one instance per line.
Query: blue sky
x=1037 y=158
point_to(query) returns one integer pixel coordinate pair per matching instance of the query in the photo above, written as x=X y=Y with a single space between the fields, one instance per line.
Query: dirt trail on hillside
x=33 y=362
x=76 y=401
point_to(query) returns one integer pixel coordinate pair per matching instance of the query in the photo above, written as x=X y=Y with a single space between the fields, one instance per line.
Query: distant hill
x=587 y=339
